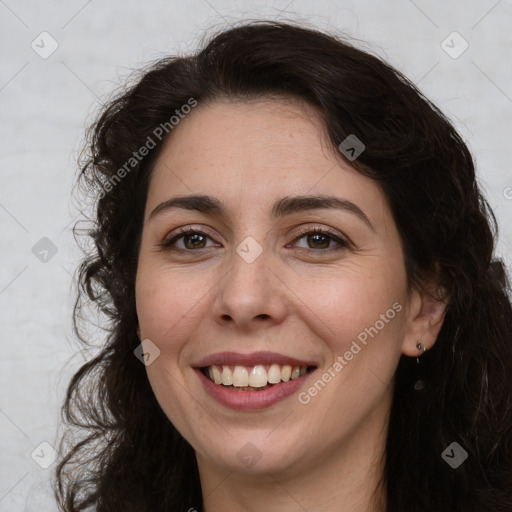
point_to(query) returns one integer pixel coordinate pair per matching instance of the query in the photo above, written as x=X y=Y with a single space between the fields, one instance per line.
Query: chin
x=260 y=453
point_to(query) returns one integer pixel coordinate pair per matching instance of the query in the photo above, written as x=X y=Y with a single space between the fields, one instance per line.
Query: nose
x=250 y=293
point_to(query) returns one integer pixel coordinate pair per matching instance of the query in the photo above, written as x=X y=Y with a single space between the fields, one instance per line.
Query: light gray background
x=45 y=104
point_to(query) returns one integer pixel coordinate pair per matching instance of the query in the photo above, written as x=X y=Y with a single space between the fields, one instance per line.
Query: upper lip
x=252 y=359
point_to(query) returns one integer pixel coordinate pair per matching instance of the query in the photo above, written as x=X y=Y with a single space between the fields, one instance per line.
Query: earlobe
x=426 y=316
x=138 y=332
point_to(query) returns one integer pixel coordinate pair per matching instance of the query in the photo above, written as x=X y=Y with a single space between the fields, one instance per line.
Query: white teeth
x=258 y=377
x=274 y=374
x=240 y=377
x=286 y=372
x=255 y=377
x=227 y=376
x=216 y=375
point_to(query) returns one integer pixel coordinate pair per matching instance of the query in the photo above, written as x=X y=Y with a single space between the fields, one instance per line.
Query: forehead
x=252 y=152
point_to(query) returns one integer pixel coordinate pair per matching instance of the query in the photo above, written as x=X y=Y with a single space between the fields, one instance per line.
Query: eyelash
x=343 y=244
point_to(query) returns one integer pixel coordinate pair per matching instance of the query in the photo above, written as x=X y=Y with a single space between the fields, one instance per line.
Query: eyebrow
x=286 y=206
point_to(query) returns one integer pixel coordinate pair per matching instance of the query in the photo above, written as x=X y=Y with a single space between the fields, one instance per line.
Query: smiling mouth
x=254 y=378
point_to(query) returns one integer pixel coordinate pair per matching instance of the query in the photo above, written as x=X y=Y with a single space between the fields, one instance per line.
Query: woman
x=295 y=259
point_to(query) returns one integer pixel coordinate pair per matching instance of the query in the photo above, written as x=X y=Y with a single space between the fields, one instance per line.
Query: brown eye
x=193 y=239
x=319 y=240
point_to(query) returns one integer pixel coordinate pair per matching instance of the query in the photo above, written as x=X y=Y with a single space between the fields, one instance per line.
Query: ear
x=426 y=312
x=138 y=332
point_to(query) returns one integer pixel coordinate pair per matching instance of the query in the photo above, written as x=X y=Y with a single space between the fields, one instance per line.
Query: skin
x=328 y=454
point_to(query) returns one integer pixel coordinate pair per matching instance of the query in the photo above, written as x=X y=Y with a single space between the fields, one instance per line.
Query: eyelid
x=182 y=231
x=336 y=235
x=342 y=240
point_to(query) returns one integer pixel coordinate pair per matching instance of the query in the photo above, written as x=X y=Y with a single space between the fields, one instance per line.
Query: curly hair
x=447 y=227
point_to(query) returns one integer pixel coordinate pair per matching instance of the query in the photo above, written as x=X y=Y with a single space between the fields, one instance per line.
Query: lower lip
x=251 y=400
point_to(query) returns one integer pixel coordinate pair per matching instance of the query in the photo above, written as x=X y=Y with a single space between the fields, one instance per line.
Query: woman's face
x=253 y=292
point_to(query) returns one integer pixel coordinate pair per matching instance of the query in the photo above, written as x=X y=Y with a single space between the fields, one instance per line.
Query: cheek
x=350 y=303
x=361 y=322
x=170 y=303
